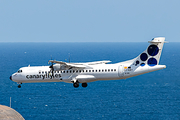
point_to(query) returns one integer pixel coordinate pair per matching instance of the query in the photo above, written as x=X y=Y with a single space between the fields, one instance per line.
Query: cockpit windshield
x=19 y=71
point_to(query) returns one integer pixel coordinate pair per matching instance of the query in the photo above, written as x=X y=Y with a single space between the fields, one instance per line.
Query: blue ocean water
x=154 y=95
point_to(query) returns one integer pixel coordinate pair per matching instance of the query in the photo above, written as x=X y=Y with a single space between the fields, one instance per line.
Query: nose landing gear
x=19 y=86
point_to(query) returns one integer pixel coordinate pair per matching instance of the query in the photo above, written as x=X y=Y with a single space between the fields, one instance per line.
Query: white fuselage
x=97 y=72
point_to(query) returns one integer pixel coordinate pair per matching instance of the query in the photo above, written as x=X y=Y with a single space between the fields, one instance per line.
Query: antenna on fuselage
x=51 y=57
x=69 y=57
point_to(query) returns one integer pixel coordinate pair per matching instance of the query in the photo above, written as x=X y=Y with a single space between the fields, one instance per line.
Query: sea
x=152 y=96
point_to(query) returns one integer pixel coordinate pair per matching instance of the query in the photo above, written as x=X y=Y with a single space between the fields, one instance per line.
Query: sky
x=89 y=20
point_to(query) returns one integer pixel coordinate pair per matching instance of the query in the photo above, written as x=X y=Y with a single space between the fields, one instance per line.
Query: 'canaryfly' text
x=44 y=76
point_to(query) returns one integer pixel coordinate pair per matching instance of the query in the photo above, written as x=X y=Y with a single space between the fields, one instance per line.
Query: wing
x=69 y=65
x=78 y=65
x=98 y=62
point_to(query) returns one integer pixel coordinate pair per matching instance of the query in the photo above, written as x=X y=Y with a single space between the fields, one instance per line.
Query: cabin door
x=121 y=71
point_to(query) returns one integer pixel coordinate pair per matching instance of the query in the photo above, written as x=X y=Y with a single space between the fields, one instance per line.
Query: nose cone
x=10 y=77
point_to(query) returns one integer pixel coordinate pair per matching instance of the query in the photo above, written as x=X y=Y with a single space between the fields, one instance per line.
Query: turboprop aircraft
x=76 y=73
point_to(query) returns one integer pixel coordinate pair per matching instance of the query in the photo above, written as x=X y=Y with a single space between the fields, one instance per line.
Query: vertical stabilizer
x=152 y=54
x=147 y=61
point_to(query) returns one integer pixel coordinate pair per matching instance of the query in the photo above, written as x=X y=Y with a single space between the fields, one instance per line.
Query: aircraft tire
x=84 y=84
x=19 y=86
x=76 y=85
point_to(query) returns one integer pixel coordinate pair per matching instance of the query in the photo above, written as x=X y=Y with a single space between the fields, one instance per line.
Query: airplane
x=76 y=73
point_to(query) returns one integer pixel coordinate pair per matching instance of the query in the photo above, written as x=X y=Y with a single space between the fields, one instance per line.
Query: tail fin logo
x=153 y=50
x=151 y=55
x=152 y=62
x=144 y=57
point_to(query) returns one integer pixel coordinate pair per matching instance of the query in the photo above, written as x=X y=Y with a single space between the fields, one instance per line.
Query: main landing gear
x=84 y=84
x=76 y=84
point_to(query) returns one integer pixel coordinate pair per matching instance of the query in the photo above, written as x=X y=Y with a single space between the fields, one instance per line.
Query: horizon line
x=88 y=42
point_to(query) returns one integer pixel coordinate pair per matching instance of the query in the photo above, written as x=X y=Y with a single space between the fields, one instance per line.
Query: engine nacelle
x=58 y=67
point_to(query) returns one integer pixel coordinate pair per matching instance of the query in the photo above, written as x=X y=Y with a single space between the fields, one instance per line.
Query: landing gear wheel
x=19 y=86
x=84 y=84
x=76 y=85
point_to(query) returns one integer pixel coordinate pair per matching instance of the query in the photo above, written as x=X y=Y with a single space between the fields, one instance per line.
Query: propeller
x=52 y=68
